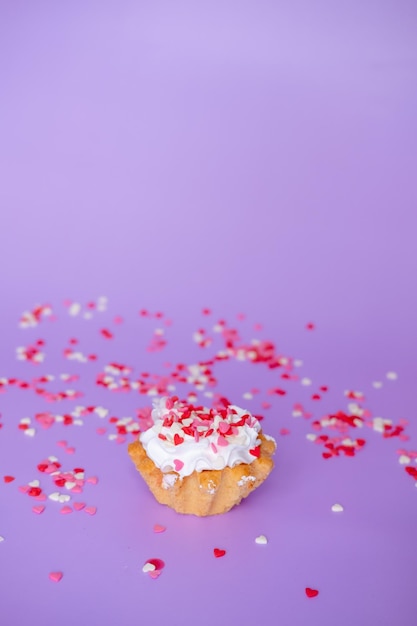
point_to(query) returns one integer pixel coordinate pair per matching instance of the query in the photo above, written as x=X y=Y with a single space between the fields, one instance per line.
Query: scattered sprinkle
x=218 y=552
x=337 y=508
x=91 y=510
x=55 y=576
x=159 y=529
x=261 y=540
x=311 y=593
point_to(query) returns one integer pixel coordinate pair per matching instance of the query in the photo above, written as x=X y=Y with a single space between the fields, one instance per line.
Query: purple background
x=254 y=157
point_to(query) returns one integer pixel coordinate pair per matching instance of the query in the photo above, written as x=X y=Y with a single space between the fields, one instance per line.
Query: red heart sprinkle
x=412 y=471
x=311 y=593
x=218 y=552
x=8 y=479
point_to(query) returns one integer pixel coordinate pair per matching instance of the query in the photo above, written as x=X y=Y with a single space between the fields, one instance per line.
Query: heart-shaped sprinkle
x=148 y=567
x=218 y=553
x=78 y=506
x=93 y=480
x=311 y=593
x=404 y=459
x=91 y=510
x=54 y=496
x=159 y=529
x=155 y=573
x=178 y=465
x=38 y=509
x=70 y=450
x=1 y=538
x=261 y=540
x=337 y=508
x=65 y=510
x=8 y=479
x=157 y=563
x=30 y=432
x=55 y=576
x=34 y=483
x=62 y=444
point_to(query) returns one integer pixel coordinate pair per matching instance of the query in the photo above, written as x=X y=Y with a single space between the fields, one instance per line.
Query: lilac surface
x=249 y=157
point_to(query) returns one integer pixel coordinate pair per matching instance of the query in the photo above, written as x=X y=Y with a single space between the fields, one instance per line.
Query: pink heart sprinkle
x=178 y=465
x=62 y=444
x=93 y=480
x=70 y=450
x=65 y=510
x=55 y=576
x=101 y=431
x=155 y=573
x=159 y=529
x=79 y=506
x=91 y=510
x=38 y=509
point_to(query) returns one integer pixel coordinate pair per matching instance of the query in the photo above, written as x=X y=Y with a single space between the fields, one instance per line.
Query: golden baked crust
x=209 y=492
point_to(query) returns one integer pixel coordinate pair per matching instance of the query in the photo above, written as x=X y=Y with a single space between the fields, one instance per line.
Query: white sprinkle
x=64 y=498
x=298 y=362
x=101 y=411
x=53 y=459
x=25 y=420
x=404 y=459
x=54 y=496
x=377 y=384
x=30 y=432
x=69 y=484
x=261 y=540
x=34 y=483
x=247 y=396
x=337 y=508
x=311 y=437
x=148 y=567
x=392 y=375
x=1 y=538
x=305 y=382
x=297 y=413
x=74 y=309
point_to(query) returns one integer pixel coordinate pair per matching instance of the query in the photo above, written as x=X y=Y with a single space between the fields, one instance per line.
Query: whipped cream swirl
x=186 y=438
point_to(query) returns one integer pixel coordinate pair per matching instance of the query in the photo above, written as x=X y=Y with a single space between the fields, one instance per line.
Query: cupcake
x=202 y=461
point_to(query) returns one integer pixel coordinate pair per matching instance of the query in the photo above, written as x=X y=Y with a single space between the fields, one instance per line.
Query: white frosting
x=185 y=438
